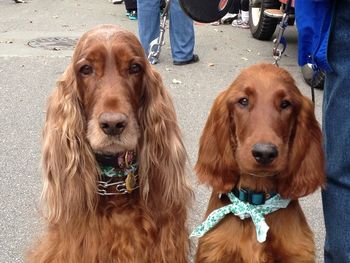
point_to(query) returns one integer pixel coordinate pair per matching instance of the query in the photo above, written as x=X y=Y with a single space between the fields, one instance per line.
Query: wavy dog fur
x=148 y=225
x=263 y=105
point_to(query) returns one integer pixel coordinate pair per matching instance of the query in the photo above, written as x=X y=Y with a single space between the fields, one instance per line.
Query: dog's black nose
x=113 y=123
x=264 y=153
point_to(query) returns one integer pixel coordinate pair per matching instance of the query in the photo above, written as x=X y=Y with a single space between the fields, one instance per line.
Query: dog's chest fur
x=234 y=240
x=128 y=236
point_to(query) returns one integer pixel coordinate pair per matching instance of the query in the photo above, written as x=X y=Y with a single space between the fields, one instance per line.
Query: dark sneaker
x=194 y=59
x=133 y=15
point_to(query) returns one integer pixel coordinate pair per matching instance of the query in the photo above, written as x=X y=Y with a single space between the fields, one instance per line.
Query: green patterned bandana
x=243 y=210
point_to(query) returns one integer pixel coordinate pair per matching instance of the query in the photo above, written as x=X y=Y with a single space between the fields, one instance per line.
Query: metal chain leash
x=280 y=43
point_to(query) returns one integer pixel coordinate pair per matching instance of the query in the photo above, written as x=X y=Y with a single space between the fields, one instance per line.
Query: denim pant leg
x=336 y=128
x=181 y=33
x=148 y=16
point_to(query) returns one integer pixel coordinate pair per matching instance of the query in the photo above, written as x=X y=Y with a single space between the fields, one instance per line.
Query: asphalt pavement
x=28 y=73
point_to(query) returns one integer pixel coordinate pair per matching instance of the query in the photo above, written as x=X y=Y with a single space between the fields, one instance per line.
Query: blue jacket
x=313 y=19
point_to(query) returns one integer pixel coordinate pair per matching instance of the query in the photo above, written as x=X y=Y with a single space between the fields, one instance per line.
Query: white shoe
x=228 y=18
x=240 y=24
x=216 y=23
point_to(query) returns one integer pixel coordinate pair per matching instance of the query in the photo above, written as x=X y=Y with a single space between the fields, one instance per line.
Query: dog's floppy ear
x=216 y=165
x=69 y=170
x=306 y=167
x=162 y=154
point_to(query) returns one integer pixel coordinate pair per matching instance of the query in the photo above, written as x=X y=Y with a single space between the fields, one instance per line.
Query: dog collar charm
x=130 y=182
x=243 y=210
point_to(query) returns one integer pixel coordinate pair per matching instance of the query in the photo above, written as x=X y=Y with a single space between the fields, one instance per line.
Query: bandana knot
x=243 y=210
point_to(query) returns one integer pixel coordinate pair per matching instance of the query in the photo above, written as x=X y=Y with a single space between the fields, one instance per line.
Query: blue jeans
x=336 y=128
x=180 y=28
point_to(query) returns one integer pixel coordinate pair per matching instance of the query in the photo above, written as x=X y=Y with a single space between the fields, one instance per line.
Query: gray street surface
x=28 y=74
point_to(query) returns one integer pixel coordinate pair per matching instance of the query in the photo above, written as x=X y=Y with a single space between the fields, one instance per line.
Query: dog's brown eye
x=243 y=102
x=135 y=68
x=285 y=104
x=86 y=70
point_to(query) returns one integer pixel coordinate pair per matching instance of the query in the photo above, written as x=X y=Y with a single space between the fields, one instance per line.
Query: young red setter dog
x=260 y=151
x=113 y=160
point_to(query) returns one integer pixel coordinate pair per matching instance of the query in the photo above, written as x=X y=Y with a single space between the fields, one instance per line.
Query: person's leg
x=181 y=33
x=131 y=9
x=232 y=13
x=148 y=21
x=234 y=9
x=245 y=11
x=336 y=128
x=243 y=22
x=245 y=5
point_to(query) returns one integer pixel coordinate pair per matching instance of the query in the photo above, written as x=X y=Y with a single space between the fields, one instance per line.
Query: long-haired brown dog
x=261 y=137
x=113 y=160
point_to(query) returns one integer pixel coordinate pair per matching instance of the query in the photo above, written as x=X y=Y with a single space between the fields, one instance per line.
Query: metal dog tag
x=130 y=182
